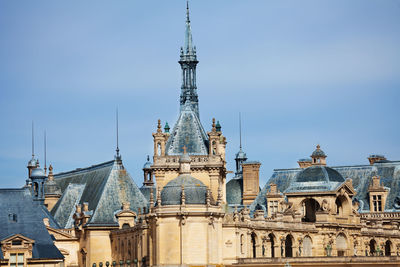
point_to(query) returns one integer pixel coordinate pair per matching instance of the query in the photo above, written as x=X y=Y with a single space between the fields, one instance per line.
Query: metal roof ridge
x=95 y=166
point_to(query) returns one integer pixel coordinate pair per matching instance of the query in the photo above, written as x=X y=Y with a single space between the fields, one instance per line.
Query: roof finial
x=240 y=130
x=117 y=150
x=45 y=153
x=184 y=149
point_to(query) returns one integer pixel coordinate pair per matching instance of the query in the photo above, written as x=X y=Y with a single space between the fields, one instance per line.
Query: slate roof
x=360 y=174
x=145 y=189
x=29 y=223
x=188 y=132
x=234 y=191
x=104 y=186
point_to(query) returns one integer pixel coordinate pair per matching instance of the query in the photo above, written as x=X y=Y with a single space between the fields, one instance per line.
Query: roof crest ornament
x=117 y=155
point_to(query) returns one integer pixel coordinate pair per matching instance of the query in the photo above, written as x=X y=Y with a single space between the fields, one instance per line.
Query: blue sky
x=300 y=72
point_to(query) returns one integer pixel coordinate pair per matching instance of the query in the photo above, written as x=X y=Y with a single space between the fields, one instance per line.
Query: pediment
x=17 y=237
x=346 y=187
x=126 y=213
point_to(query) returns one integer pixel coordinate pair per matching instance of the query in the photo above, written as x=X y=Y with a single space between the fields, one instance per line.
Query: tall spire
x=189 y=49
x=240 y=130
x=45 y=153
x=117 y=150
x=240 y=156
x=33 y=163
x=188 y=62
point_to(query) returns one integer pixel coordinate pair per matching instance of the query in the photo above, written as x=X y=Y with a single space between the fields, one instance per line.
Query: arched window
x=289 y=246
x=272 y=242
x=125 y=226
x=341 y=245
x=307 y=246
x=387 y=248
x=310 y=208
x=242 y=244
x=253 y=244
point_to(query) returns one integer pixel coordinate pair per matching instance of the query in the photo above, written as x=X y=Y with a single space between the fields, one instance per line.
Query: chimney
x=251 y=178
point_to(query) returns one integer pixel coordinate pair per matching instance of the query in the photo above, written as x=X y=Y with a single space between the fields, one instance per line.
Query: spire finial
x=45 y=153
x=213 y=125
x=184 y=149
x=159 y=126
x=187 y=11
x=117 y=150
x=240 y=130
x=33 y=142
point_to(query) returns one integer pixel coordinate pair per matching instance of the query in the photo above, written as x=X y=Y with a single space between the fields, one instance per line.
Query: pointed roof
x=104 y=186
x=188 y=132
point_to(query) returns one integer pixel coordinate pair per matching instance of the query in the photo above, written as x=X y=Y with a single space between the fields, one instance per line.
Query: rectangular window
x=16 y=260
x=377 y=202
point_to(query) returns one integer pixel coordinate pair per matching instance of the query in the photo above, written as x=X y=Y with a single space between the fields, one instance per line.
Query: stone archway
x=310 y=208
x=341 y=245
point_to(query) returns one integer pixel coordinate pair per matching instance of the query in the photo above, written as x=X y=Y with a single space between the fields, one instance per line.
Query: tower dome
x=37 y=173
x=195 y=191
x=316 y=178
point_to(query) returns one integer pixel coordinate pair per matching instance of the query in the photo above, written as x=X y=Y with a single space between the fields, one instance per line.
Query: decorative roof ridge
x=12 y=189
x=93 y=167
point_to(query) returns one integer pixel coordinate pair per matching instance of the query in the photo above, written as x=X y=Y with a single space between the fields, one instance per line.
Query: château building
x=186 y=213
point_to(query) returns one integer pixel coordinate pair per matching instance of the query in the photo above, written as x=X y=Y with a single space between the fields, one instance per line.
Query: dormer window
x=12 y=217
x=16 y=259
x=273 y=207
x=377 y=195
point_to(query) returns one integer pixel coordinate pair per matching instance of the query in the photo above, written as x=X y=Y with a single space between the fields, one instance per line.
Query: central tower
x=206 y=150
